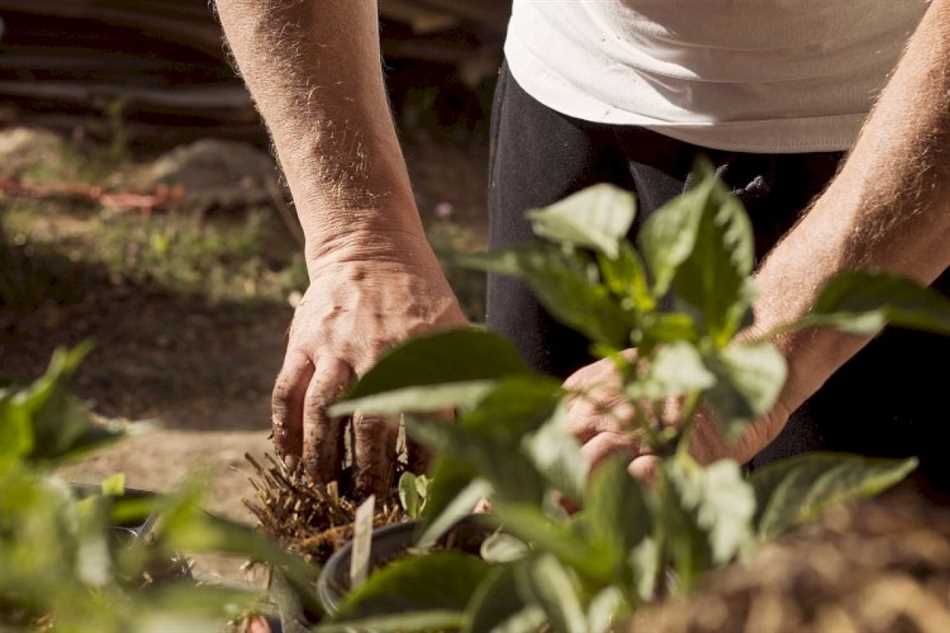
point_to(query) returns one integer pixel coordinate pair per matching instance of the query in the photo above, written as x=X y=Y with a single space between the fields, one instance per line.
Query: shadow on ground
x=159 y=353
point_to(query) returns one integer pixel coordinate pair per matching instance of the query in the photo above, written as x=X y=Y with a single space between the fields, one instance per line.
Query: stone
x=213 y=174
x=24 y=150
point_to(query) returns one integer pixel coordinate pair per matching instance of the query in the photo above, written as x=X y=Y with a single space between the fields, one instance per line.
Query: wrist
x=390 y=248
x=391 y=231
x=812 y=355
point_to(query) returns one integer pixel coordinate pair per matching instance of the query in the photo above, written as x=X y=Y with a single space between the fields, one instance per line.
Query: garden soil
x=199 y=370
x=878 y=567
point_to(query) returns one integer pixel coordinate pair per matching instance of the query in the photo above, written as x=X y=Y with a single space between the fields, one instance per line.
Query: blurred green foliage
x=680 y=298
x=68 y=561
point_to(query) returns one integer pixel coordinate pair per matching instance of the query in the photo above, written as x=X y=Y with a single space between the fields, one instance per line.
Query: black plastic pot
x=164 y=568
x=390 y=543
x=129 y=530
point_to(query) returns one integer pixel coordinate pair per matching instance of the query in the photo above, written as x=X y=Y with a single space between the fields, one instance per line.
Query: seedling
x=630 y=543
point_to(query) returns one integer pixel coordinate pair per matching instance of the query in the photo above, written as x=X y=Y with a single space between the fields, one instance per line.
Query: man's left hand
x=604 y=422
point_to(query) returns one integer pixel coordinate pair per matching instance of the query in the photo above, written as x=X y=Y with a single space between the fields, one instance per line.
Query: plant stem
x=688 y=421
x=654 y=441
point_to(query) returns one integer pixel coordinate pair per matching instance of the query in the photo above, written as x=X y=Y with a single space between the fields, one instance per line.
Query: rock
x=213 y=174
x=23 y=150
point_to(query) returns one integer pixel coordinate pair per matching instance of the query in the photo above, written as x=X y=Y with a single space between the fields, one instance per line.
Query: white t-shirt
x=744 y=75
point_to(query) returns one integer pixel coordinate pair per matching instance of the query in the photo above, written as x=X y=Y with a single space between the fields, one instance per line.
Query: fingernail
x=291 y=462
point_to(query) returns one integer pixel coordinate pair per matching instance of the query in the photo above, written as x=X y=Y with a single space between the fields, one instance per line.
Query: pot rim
x=329 y=592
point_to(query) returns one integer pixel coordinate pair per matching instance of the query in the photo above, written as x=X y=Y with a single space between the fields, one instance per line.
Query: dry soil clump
x=880 y=567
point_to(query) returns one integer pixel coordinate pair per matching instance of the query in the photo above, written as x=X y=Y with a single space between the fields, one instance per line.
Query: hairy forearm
x=314 y=70
x=888 y=209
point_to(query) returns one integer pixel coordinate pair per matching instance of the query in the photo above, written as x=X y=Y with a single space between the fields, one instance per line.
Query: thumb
x=644 y=468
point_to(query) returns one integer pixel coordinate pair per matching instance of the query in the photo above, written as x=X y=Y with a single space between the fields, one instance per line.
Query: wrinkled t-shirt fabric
x=776 y=76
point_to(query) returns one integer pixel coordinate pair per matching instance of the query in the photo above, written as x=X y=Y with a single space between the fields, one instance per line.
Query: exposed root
x=308 y=518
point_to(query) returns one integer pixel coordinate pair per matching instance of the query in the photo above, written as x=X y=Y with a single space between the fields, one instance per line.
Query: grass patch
x=45 y=245
x=224 y=259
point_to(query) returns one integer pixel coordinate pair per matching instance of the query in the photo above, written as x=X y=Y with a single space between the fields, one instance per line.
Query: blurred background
x=140 y=208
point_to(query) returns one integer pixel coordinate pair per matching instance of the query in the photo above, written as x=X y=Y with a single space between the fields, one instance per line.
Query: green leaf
x=409 y=495
x=529 y=524
x=725 y=508
x=626 y=277
x=550 y=586
x=16 y=432
x=669 y=236
x=425 y=399
x=606 y=609
x=529 y=620
x=449 y=478
x=644 y=561
x=556 y=454
x=714 y=279
x=514 y=408
x=128 y=510
x=416 y=621
x=750 y=377
x=114 y=486
x=567 y=286
x=95 y=437
x=617 y=513
x=185 y=527
x=675 y=370
x=47 y=421
x=598 y=217
x=290 y=606
x=864 y=302
x=442 y=581
x=706 y=515
x=797 y=489
x=93 y=564
x=422 y=486
x=668 y=327
x=503 y=548
x=512 y=476
x=460 y=507
x=434 y=360
x=495 y=602
x=485 y=441
x=213 y=601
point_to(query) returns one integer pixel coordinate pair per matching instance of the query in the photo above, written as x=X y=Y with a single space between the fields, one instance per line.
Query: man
x=627 y=91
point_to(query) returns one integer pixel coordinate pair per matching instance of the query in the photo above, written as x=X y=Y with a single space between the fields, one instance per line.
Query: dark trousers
x=886 y=401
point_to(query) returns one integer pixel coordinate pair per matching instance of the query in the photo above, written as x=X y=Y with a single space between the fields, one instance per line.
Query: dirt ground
x=882 y=566
x=195 y=360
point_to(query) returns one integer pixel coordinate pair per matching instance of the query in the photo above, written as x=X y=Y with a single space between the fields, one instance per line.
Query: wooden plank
x=203 y=36
x=164 y=133
x=420 y=19
x=181 y=100
x=492 y=14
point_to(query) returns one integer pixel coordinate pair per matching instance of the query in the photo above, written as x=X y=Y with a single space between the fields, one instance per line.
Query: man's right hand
x=314 y=71
x=360 y=303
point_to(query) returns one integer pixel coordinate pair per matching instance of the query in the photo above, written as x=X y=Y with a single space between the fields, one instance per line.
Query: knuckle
x=578 y=422
x=371 y=427
x=280 y=396
x=284 y=385
x=379 y=346
x=315 y=404
x=577 y=379
x=280 y=435
x=280 y=408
